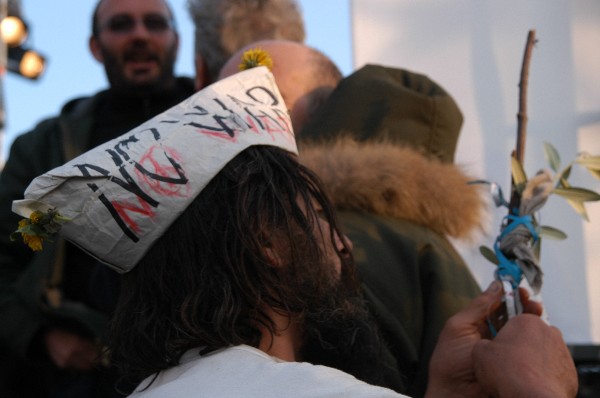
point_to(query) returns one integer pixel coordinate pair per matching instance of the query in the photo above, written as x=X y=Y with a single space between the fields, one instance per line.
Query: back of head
x=208 y=209
x=207 y=281
x=225 y=26
x=305 y=76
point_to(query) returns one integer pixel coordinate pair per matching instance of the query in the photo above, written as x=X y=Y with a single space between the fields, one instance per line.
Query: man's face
x=338 y=329
x=333 y=246
x=137 y=44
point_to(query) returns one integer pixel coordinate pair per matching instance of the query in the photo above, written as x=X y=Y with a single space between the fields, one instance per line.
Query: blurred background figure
x=224 y=26
x=59 y=300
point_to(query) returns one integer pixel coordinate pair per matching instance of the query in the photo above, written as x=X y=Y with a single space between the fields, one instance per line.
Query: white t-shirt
x=243 y=371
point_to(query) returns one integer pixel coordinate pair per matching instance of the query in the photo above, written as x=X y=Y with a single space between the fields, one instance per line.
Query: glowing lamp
x=13 y=31
x=27 y=63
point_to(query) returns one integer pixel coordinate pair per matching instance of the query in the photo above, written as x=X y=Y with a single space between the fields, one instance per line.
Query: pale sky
x=60 y=31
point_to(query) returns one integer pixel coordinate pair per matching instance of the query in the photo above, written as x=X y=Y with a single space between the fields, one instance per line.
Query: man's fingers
x=498 y=315
x=526 y=355
x=480 y=308
x=530 y=306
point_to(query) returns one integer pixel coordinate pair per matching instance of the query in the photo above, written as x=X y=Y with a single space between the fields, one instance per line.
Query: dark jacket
x=383 y=145
x=32 y=285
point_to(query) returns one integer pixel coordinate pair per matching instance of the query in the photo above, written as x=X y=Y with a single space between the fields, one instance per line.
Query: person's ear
x=94 y=45
x=271 y=249
x=202 y=77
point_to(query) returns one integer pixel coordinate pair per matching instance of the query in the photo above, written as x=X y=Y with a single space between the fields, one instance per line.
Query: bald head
x=304 y=75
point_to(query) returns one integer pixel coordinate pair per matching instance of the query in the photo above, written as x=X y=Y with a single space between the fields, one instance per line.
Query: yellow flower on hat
x=36 y=217
x=39 y=226
x=256 y=57
x=34 y=242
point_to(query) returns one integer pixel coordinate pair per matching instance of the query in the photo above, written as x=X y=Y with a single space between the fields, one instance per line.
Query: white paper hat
x=121 y=196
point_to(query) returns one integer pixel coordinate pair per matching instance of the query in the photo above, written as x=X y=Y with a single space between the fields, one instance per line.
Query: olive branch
x=528 y=241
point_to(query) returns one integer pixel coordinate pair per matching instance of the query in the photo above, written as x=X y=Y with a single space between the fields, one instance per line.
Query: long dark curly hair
x=206 y=281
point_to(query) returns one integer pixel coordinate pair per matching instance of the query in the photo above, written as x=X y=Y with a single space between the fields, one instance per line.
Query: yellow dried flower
x=36 y=217
x=39 y=226
x=256 y=57
x=34 y=242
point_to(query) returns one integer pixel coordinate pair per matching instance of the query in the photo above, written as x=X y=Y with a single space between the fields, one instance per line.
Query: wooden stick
x=519 y=152
x=522 y=114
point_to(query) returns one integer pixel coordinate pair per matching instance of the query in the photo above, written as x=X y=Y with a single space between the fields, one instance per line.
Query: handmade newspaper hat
x=121 y=196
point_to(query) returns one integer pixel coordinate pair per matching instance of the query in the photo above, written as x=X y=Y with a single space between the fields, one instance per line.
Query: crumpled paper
x=517 y=244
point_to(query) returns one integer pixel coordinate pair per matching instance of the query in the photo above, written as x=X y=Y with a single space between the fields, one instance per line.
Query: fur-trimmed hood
x=398 y=182
x=384 y=142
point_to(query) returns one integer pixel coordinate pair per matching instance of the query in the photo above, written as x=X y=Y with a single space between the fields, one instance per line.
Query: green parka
x=383 y=144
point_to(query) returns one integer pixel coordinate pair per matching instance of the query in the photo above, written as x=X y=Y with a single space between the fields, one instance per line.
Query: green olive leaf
x=551 y=232
x=577 y=194
x=518 y=174
x=552 y=156
x=564 y=176
x=579 y=208
x=589 y=162
x=33 y=230
x=489 y=254
x=595 y=173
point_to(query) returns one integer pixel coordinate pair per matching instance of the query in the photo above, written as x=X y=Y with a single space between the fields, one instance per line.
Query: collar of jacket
x=397 y=182
x=77 y=116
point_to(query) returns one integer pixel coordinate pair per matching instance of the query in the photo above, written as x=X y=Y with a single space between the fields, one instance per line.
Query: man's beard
x=114 y=67
x=339 y=331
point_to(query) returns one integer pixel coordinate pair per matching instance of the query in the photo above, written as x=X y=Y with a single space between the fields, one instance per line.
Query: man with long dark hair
x=237 y=280
x=382 y=141
x=255 y=274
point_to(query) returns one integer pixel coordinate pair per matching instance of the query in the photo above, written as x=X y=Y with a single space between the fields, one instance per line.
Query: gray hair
x=225 y=26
